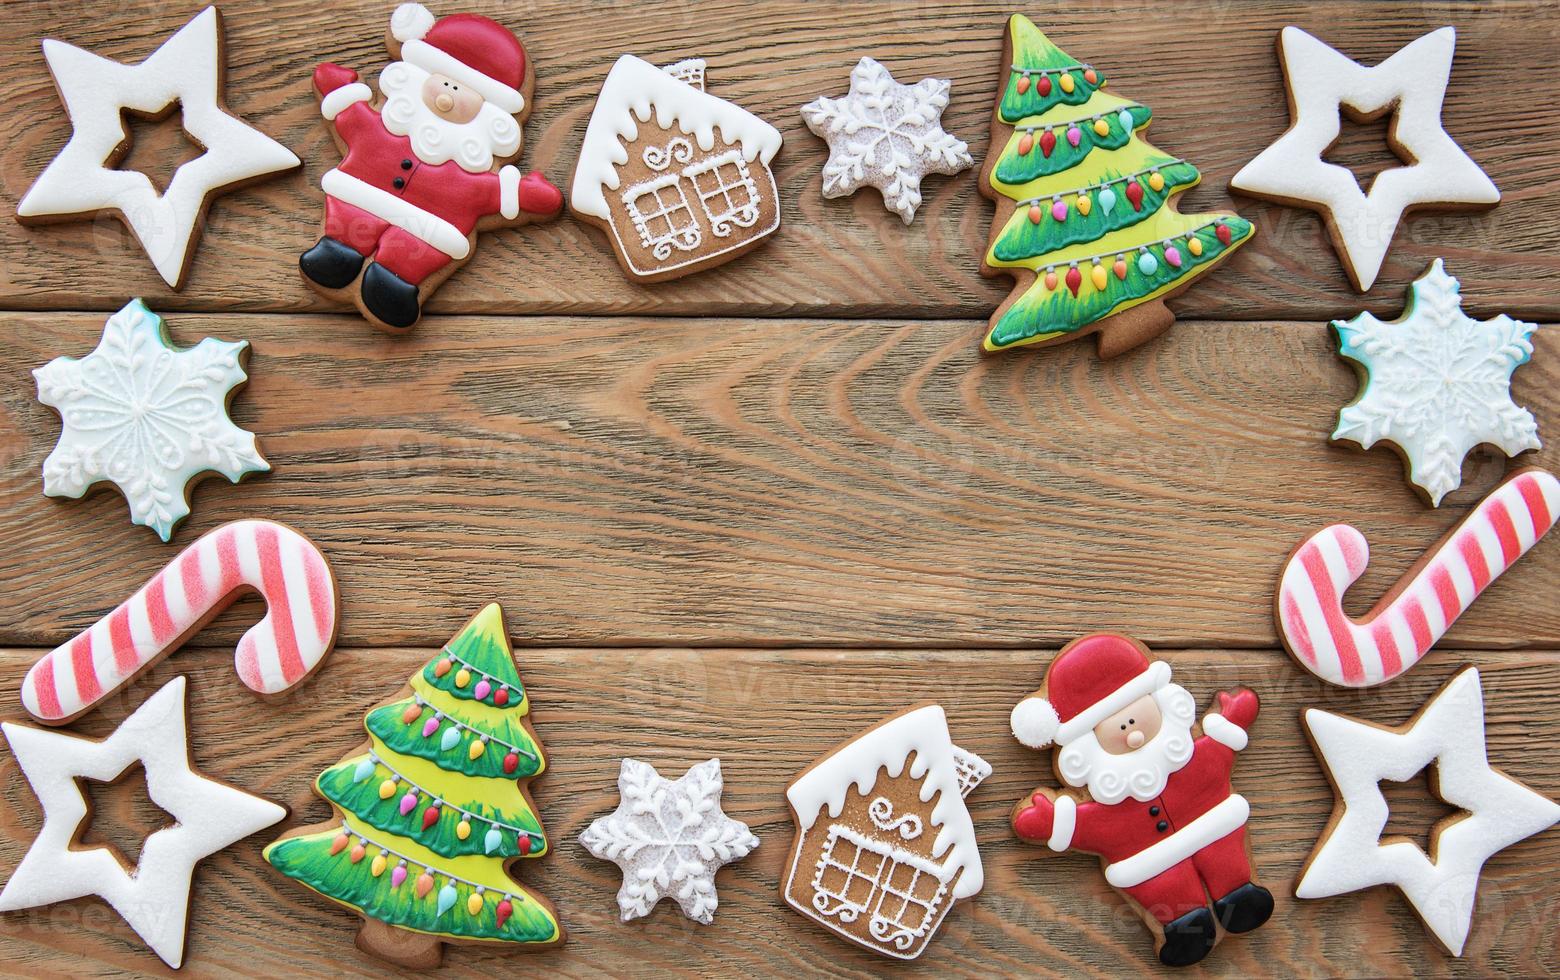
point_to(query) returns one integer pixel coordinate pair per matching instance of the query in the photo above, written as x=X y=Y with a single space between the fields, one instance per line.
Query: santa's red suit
x=1172 y=852
x=414 y=218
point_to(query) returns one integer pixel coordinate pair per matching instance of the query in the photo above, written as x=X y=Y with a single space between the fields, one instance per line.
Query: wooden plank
x=766 y=714
x=1212 y=80
x=791 y=483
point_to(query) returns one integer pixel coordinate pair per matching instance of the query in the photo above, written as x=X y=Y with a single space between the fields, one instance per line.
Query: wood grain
x=766 y=715
x=725 y=482
x=1213 y=83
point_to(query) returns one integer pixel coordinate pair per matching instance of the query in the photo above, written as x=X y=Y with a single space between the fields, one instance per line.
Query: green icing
x=1014 y=169
x=362 y=800
x=483 y=645
x=1032 y=49
x=385 y=723
x=308 y=859
x=1039 y=312
x=1023 y=239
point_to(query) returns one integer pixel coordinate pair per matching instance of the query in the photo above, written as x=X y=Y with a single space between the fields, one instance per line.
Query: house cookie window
x=900 y=891
x=660 y=213
x=726 y=190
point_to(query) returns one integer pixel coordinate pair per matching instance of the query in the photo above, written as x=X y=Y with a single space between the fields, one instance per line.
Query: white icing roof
x=634 y=88
x=924 y=734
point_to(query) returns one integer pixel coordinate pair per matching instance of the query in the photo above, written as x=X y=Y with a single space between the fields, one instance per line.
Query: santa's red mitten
x=1239 y=708
x=328 y=78
x=538 y=195
x=1033 y=822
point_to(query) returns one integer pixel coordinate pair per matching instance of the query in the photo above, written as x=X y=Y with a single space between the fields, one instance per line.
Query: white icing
x=336 y=102
x=424 y=225
x=187 y=70
x=886 y=135
x=669 y=838
x=1449 y=732
x=1224 y=818
x=1064 y=821
x=1439 y=384
x=147 y=417
x=153 y=897
x=1225 y=732
x=509 y=191
x=924 y=734
x=1413 y=84
x=634 y=89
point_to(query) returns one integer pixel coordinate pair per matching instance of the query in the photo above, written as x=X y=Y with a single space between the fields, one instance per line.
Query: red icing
x=1445 y=592
x=1135 y=194
x=1337 y=623
x=163 y=628
x=1381 y=632
x=274 y=585
x=482 y=44
x=190 y=577
x=1418 y=624
x=123 y=644
x=1294 y=625
x=1533 y=497
x=322 y=598
x=48 y=700
x=430 y=817
x=1047 y=143
x=502 y=697
x=1505 y=531
x=81 y=664
x=1043 y=86
x=1468 y=546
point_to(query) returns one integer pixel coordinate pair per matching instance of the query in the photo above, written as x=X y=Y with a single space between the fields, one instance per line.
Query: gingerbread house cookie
x=884 y=843
x=678 y=178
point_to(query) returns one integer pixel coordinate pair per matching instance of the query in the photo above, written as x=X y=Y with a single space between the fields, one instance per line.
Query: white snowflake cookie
x=669 y=838
x=886 y=135
x=1436 y=383
x=147 y=417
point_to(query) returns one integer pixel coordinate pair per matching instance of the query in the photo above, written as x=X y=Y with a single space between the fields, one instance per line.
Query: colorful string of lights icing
x=484 y=684
x=425 y=881
x=1147 y=264
x=1042 y=78
x=369 y=766
x=1122 y=115
x=451 y=737
x=1156 y=183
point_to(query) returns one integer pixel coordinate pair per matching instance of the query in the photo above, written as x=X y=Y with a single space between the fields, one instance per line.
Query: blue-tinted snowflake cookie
x=147 y=417
x=1436 y=383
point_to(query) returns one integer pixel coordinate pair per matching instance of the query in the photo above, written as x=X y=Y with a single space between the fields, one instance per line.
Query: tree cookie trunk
x=413 y=950
x=1129 y=328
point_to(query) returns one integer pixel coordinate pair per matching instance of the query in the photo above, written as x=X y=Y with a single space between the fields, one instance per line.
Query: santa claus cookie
x=678 y=179
x=1155 y=801
x=425 y=166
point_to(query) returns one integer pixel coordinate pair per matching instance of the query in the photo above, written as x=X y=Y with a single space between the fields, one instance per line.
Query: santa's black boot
x=390 y=298
x=331 y=264
x=1188 y=939
x=1245 y=908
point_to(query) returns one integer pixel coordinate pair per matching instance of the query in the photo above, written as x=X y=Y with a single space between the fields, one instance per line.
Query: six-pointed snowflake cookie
x=154 y=895
x=669 y=838
x=146 y=416
x=886 y=135
x=1324 y=84
x=1436 y=383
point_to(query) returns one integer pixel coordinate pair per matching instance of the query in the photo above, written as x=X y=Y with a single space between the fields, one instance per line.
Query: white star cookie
x=886 y=135
x=147 y=417
x=1436 y=383
x=153 y=896
x=1449 y=732
x=669 y=838
x=186 y=71
x=1322 y=83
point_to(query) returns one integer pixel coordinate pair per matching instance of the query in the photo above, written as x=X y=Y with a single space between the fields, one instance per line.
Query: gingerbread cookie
x=1085 y=222
x=184 y=75
x=1155 y=801
x=677 y=178
x=1413 y=616
x=432 y=812
x=884 y=844
x=153 y=894
x=1436 y=383
x=425 y=168
x=669 y=838
x=288 y=644
x=886 y=135
x=1498 y=811
x=1323 y=85
x=148 y=417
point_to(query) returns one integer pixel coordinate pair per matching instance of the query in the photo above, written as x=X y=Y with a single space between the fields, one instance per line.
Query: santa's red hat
x=471 y=49
x=1091 y=679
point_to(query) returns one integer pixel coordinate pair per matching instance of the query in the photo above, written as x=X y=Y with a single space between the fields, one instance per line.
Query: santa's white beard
x=1144 y=771
x=492 y=133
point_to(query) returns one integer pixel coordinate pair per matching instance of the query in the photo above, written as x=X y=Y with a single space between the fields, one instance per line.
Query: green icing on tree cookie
x=1085 y=205
x=477 y=665
x=428 y=818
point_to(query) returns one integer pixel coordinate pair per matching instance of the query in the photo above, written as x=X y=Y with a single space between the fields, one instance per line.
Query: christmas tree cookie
x=1085 y=221
x=433 y=809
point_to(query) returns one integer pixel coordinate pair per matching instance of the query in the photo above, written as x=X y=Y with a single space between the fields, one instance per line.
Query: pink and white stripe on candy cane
x=1393 y=636
x=288 y=643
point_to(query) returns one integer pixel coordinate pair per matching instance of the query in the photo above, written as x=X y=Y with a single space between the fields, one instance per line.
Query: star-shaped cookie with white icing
x=186 y=72
x=1324 y=84
x=153 y=896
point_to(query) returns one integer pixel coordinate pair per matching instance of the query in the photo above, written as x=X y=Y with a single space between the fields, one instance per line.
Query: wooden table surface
x=747 y=514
